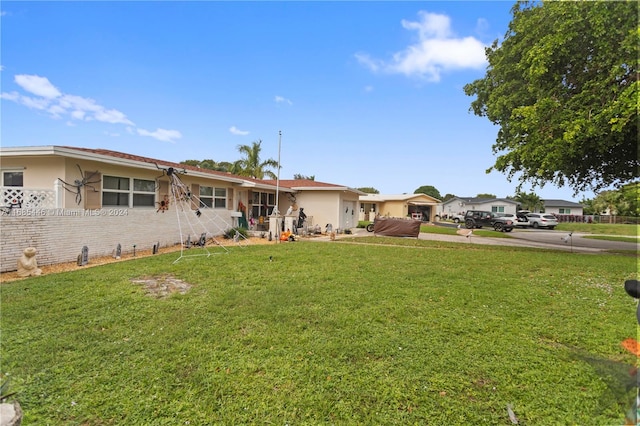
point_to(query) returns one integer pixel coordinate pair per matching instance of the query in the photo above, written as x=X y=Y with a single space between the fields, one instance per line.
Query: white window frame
x=130 y=191
x=206 y=197
x=9 y=170
x=220 y=198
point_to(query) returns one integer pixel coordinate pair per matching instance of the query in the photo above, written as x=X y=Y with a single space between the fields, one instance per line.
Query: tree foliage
x=251 y=165
x=624 y=201
x=429 y=190
x=368 y=190
x=528 y=201
x=222 y=166
x=298 y=176
x=563 y=89
x=486 y=195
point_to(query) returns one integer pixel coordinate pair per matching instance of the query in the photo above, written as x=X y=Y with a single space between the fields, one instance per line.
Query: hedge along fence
x=572 y=218
x=59 y=234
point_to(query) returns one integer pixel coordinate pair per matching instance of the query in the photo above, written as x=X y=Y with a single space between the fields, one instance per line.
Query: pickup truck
x=480 y=218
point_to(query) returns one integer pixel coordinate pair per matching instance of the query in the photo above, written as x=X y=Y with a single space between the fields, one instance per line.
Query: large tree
x=563 y=89
x=251 y=165
x=429 y=190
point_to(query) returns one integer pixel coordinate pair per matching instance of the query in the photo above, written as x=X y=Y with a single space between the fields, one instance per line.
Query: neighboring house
x=418 y=206
x=459 y=205
x=562 y=207
x=59 y=199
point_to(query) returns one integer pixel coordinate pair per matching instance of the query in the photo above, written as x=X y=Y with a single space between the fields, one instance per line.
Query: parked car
x=457 y=218
x=542 y=220
x=518 y=220
x=480 y=218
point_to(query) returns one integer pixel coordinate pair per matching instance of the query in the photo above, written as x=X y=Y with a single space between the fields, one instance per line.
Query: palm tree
x=251 y=165
x=528 y=201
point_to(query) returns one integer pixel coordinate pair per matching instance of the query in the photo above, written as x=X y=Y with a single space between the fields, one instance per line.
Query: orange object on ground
x=285 y=235
x=632 y=345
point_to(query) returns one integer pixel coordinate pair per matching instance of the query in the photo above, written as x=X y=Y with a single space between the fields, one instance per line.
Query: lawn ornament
x=194 y=214
x=163 y=205
x=14 y=204
x=301 y=218
x=86 y=180
x=27 y=264
x=465 y=232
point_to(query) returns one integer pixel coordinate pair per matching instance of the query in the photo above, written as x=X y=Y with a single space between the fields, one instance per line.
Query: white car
x=518 y=220
x=542 y=220
x=457 y=218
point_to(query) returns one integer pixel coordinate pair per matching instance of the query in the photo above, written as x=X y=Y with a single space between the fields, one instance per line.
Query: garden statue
x=27 y=264
x=301 y=218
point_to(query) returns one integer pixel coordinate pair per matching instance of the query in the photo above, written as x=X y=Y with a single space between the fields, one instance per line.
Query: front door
x=349 y=218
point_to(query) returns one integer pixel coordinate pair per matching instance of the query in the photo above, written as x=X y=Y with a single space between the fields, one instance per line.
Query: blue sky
x=366 y=94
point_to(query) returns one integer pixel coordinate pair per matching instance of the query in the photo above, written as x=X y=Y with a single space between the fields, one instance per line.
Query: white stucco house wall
x=459 y=205
x=562 y=207
x=42 y=206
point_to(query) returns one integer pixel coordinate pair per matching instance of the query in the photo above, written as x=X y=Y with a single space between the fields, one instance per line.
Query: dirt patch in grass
x=160 y=286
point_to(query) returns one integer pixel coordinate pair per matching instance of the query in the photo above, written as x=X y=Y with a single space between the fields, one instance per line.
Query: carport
x=422 y=210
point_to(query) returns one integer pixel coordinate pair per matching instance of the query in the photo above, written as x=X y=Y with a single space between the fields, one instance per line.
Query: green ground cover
x=398 y=332
x=600 y=228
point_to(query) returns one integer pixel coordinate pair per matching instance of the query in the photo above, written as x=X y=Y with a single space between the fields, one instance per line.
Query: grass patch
x=449 y=230
x=397 y=332
x=612 y=238
x=600 y=228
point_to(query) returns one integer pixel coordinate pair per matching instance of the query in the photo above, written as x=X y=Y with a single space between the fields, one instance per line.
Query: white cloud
x=436 y=50
x=111 y=116
x=234 y=130
x=13 y=96
x=39 y=86
x=161 y=134
x=280 y=100
x=48 y=98
x=56 y=110
x=34 y=103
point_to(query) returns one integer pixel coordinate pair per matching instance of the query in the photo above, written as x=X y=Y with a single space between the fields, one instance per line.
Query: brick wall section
x=59 y=235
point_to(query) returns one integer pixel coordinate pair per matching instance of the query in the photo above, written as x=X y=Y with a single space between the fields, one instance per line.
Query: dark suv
x=480 y=218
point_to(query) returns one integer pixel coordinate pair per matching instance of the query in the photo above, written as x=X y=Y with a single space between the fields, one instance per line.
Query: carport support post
x=275 y=226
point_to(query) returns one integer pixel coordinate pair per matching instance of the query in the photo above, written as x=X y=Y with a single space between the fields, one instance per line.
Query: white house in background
x=459 y=205
x=562 y=207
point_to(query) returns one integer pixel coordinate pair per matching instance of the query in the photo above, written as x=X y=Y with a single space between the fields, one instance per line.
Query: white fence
x=18 y=197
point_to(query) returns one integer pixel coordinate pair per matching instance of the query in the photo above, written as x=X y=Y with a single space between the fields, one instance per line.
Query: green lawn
x=600 y=228
x=396 y=333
